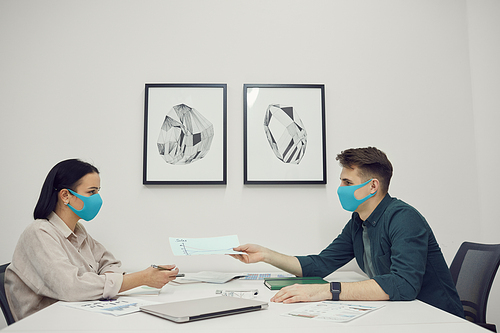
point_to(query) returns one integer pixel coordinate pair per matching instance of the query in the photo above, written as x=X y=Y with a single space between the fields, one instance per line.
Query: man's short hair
x=371 y=163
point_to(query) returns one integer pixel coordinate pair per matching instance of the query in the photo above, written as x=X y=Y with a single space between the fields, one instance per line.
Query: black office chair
x=473 y=270
x=3 y=299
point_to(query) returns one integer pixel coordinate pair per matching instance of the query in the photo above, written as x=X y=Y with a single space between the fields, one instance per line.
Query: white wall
x=414 y=78
x=484 y=48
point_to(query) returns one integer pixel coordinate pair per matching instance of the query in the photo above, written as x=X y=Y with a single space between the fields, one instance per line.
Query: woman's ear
x=64 y=196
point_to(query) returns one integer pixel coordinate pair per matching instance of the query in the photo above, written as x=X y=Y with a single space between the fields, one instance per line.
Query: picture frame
x=284 y=134
x=185 y=134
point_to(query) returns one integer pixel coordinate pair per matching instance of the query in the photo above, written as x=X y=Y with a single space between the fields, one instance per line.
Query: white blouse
x=52 y=263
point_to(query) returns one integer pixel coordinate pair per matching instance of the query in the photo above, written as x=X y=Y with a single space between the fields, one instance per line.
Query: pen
x=160 y=268
x=166 y=269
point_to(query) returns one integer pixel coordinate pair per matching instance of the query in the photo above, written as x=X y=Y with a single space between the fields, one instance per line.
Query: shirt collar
x=377 y=212
x=60 y=225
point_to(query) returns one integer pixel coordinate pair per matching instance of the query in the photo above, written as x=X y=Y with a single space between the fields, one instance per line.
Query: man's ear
x=375 y=185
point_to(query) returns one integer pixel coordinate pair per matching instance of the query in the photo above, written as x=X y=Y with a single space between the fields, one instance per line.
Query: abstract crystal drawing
x=185 y=136
x=286 y=133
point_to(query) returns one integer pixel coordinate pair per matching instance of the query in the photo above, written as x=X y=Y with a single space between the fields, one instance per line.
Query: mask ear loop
x=73 y=193
x=368 y=182
x=64 y=188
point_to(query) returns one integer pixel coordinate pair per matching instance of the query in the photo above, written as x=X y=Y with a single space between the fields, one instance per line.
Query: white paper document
x=332 y=311
x=118 y=307
x=211 y=277
x=200 y=246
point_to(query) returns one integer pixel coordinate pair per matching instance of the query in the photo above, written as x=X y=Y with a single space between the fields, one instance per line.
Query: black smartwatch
x=335 y=290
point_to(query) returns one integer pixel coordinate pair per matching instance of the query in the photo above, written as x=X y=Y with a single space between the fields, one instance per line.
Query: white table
x=408 y=317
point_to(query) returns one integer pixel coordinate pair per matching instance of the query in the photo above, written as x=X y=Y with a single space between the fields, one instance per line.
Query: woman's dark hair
x=64 y=175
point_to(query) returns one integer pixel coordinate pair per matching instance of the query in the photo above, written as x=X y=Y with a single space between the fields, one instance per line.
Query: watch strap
x=335 y=288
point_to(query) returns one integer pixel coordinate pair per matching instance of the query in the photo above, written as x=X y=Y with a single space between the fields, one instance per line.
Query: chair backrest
x=3 y=298
x=473 y=270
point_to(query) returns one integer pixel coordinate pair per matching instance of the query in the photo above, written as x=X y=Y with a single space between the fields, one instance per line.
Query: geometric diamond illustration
x=185 y=136
x=286 y=133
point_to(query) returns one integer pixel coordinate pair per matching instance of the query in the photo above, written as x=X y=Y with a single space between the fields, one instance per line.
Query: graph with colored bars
x=262 y=276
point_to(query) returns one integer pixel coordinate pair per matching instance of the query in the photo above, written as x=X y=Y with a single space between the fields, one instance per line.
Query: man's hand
x=253 y=253
x=303 y=293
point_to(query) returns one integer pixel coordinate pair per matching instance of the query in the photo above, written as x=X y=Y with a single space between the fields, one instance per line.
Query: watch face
x=335 y=287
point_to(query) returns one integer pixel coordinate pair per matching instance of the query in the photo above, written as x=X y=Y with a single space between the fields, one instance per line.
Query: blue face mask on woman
x=347 y=199
x=91 y=206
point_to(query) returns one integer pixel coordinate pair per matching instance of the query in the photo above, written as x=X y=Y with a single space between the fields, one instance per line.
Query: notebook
x=203 y=308
x=278 y=283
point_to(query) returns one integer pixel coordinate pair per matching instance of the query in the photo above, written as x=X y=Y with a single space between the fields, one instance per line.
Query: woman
x=56 y=259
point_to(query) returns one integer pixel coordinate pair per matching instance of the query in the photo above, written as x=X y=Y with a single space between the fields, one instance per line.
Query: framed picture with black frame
x=284 y=135
x=185 y=140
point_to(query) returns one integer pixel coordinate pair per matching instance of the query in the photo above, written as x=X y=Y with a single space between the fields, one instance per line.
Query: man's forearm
x=368 y=290
x=284 y=262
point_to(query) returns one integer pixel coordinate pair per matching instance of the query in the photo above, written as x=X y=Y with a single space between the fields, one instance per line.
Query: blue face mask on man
x=347 y=199
x=91 y=206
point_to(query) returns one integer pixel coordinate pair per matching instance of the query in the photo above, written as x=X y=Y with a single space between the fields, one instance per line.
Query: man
x=391 y=241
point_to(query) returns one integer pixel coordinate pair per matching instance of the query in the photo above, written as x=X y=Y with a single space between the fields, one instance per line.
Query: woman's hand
x=151 y=277
x=157 y=278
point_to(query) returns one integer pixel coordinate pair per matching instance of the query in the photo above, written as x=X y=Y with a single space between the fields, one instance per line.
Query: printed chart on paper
x=202 y=246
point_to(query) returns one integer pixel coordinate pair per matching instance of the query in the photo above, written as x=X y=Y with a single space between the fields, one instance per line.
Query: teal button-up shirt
x=407 y=261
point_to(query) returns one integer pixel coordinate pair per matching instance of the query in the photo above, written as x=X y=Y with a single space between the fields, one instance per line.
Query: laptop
x=203 y=308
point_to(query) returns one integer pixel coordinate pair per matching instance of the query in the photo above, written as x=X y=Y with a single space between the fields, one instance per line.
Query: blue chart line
x=190 y=251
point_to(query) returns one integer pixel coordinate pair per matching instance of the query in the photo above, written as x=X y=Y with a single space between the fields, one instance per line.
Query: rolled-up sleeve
x=112 y=285
x=109 y=267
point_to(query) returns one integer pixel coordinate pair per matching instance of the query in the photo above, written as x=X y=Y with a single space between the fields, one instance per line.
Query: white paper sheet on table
x=332 y=311
x=141 y=291
x=200 y=246
x=210 y=277
x=118 y=307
